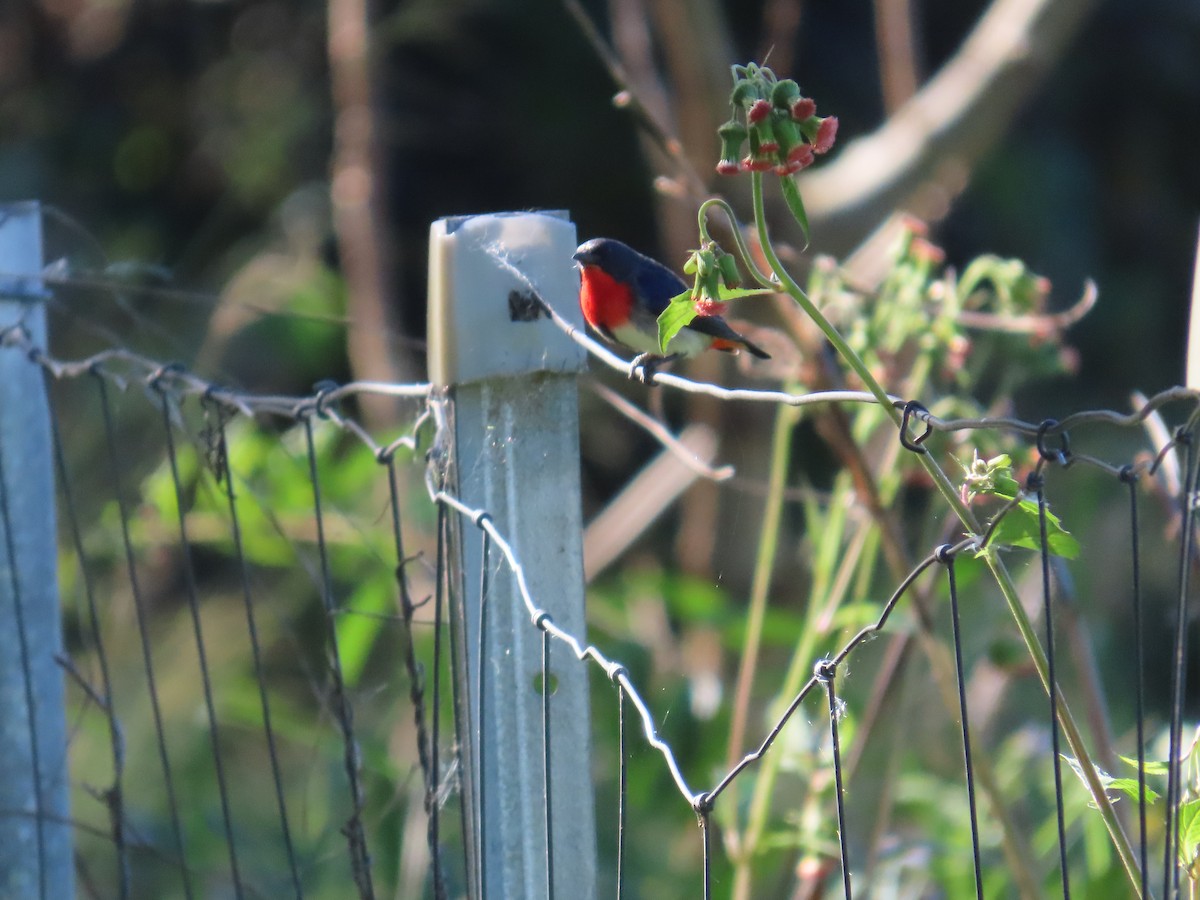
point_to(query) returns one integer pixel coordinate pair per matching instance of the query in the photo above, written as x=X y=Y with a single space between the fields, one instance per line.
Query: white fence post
x=509 y=377
x=35 y=831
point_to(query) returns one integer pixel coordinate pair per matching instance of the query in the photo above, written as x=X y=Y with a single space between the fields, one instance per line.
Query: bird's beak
x=584 y=258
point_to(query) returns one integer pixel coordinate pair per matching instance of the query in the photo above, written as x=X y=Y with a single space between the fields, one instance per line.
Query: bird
x=623 y=292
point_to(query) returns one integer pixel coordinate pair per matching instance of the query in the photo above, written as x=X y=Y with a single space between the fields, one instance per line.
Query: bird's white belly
x=686 y=343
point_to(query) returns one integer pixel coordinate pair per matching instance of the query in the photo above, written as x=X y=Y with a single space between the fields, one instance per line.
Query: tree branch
x=923 y=156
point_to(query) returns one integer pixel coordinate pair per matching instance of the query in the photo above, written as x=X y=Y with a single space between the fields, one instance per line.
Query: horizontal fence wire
x=171 y=385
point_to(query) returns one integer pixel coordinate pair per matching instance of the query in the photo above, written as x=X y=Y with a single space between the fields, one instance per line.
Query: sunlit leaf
x=1151 y=766
x=681 y=310
x=1020 y=527
x=1130 y=787
x=1188 y=817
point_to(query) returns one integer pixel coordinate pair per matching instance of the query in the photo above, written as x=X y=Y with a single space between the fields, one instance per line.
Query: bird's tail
x=724 y=337
x=756 y=350
x=733 y=346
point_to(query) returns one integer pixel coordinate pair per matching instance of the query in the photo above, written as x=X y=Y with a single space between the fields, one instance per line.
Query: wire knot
x=1060 y=454
x=321 y=400
x=154 y=379
x=944 y=554
x=825 y=670
x=914 y=408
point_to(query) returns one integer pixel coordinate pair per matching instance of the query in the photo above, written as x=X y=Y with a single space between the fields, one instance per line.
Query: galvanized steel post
x=35 y=831
x=508 y=377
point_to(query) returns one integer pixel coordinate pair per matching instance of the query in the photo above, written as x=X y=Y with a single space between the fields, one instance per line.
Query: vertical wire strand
x=482 y=780
x=706 y=850
x=114 y=795
x=547 y=689
x=360 y=859
x=139 y=605
x=256 y=652
x=837 y=778
x=416 y=686
x=35 y=762
x=966 y=729
x=190 y=588
x=460 y=699
x=434 y=791
x=1129 y=476
x=1178 y=672
x=622 y=785
x=1048 y=612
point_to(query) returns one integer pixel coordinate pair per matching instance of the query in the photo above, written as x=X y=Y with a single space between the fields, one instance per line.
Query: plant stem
x=765 y=280
x=951 y=496
x=764 y=563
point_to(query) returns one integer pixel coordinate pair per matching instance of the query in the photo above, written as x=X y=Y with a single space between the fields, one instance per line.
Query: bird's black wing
x=715 y=326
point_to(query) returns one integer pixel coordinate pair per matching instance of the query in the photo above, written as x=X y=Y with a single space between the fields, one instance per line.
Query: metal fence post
x=509 y=379
x=35 y=832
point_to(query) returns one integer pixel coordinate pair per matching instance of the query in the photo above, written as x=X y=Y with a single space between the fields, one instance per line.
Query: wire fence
x=278 y=523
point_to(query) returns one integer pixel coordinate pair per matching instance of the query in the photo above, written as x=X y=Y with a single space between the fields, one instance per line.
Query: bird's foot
x=645 y=366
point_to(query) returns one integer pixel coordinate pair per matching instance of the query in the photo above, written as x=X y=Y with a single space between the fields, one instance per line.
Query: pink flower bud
x=926 y=252
x=914 y=225
x=706 y=306
x=768 y=147
x=727 y=167
x=826 y=135
x=759 y=111
x=801 y=154
x=756 y=164
x=804 y=108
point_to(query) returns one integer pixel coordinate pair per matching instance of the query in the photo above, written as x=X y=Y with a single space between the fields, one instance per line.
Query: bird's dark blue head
x=653 y=283
x=619 y=260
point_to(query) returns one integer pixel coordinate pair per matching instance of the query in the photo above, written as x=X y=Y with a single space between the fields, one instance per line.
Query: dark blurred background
x=194 y=139
x=250 y=184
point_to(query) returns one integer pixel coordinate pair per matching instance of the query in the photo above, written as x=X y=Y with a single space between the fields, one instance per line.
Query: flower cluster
x=781 y=125
x=716 y=273
x=993 y=476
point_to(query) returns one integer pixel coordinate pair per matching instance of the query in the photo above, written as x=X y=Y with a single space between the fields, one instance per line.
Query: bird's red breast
x=606 y=302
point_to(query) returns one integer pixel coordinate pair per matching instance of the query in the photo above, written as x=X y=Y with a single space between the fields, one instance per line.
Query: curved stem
x=789 y=285
x=765 y=280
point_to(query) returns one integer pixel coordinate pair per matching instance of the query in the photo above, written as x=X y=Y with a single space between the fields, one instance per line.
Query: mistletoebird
x=622 y=293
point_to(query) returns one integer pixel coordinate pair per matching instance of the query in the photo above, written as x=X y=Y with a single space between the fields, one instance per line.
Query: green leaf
x=1130 y=787
x=1152 y=766
x=791 y=193
x=728 y=293
x=681 y=310
x=1188 y=817
x=1020 y=528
